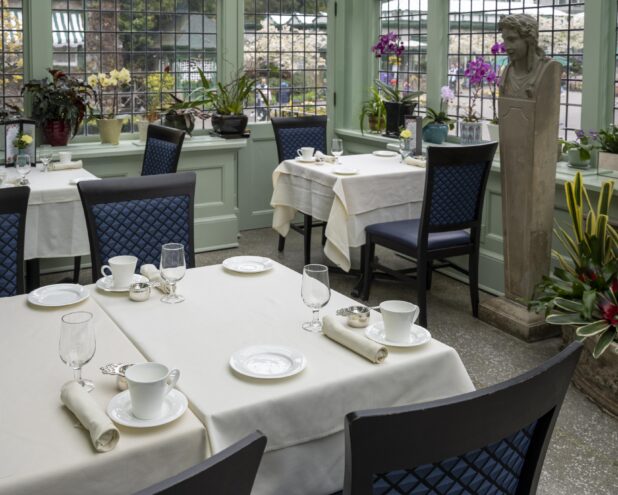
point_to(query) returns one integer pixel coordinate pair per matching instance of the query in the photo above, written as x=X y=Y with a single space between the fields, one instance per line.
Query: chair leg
x=421 y=287
x=77 y=264
x=324 y=234
x=473 y=276
x=307 y=235
x=429 y=274
x=281 y=243
x=367 y=255
x=33 y=274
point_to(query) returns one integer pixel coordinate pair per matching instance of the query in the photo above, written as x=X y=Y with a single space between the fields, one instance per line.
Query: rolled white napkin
x=370 y=350
x=319 y=156
x=103 y=433
x=65 y=166
x=416 y=161
x=152 y=274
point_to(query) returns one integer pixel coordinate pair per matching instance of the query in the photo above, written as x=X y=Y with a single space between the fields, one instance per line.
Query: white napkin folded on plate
x=65 y=166
x=370 y=350
x=416 y=161
x=103 y=433
x=151 y=273
x=319 y=156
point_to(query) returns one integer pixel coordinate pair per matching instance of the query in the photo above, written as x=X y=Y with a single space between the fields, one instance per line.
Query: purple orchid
x=388 y=44
x=498 y=48
x=478 y=71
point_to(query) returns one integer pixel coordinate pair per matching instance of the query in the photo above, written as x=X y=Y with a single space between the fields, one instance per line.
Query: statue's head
x=520 y=33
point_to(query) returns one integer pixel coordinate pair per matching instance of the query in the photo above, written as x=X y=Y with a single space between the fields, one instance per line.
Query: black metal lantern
x=11 y=129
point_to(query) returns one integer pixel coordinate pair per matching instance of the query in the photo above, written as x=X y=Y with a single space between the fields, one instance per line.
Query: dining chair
x=230 y=472
x=491 y=441
x=449 y=225
x=137 y=215
x=292 y=133
x=13 y=207
x=163 y=146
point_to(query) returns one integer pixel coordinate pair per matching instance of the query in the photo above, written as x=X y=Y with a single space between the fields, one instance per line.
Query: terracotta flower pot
x=57 y=132
x=109 y=130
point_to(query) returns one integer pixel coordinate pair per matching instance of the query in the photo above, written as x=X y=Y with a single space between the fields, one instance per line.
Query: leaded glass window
x=12 y=52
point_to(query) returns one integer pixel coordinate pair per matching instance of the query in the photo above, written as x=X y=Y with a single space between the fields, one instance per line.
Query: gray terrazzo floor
x=583 y=454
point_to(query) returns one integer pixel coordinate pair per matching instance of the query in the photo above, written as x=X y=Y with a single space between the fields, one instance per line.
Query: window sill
x=128 y=147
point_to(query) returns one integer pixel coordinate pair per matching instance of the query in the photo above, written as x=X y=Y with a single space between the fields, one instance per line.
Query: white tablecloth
x=42 y=448
x=383 y=190
x=302 y=416
x=55 y=223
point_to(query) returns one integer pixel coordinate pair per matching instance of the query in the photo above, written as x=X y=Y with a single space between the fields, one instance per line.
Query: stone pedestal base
x=515 y=319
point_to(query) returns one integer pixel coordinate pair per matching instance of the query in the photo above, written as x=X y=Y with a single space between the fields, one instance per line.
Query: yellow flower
x=124 y=76
x=405 y=134
x=93 y=80
x=102 y=78
x=112 y=81
x=114 y=74
x=26 y=138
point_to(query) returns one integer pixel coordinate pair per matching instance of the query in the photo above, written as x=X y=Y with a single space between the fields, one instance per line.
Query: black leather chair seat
x=405 y=232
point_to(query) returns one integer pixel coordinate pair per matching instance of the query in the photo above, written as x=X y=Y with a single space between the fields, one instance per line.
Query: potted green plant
x=181 y=114
x=608 y=148
x=59 y=106
x=478 y=72
x=579 y=151
x=373 y=110
x=436 y=124
x=106 y=86
x=581 y=294
x=397 y=104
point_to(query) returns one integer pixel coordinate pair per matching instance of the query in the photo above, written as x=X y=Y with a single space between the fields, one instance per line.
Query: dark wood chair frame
x=308 y=223
x=114 y=190
x=168 y=134
x=15 y=200
x=230 y=472
x=385 y=440
x=436 y=156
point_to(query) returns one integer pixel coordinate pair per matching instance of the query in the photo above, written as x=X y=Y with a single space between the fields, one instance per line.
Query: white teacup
x=64 y=156
x=149 y=384
x=121 y=269
x=398 y=318
x=306 y=152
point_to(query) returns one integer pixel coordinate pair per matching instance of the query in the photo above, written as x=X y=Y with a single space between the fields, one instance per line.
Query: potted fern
x=581 y=294
x=373 y=111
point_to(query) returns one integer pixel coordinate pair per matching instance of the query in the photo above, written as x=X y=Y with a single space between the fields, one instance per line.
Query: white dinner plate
x=107 y=283
x=268 y=361
x=248 y=264
x=119 y=409
x=385 y=153
x=58 y=295
x=343 y=170
x=418 y=336
x=304 y=160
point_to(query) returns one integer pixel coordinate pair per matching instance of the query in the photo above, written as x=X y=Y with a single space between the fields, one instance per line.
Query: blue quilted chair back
x=486 y=442
x=137 y=215
x=162 y=152
x=13 y=207
x=294 y=133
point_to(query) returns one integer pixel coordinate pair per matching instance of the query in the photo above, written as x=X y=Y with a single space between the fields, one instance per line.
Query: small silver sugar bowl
x=358 y=316
x=139 y=291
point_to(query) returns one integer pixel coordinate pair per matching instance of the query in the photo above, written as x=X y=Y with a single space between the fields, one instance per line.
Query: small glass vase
x=470 y=132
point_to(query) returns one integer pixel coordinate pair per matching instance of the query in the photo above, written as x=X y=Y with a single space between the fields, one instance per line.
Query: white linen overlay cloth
x=303 y=415
x=383 y=190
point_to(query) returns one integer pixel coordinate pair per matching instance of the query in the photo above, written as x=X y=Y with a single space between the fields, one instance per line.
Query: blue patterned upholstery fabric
x=160 y=157
x=455 y=193
x=293 y=138
x=141 y=227
x=9 y=232
x=491 y=470
x=406 y=232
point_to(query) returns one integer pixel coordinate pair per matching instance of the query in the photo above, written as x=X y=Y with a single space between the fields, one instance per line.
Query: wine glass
x=172 y=268
x=45 y=155
x=405 y=148
x=77 y=344
x=337 y=148
x=22 y=165
x=315 y=291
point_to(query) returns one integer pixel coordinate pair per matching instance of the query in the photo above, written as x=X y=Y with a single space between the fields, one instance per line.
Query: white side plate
x=268 y=361
x=58 y=295
x=304 y=160
x=343 y=170
x=385 y=153
x=107 y=283
x=418 y=336
x=119 y=409
x=248 y=264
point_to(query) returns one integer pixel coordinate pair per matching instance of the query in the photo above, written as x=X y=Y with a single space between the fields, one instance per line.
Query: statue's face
x=516 y=46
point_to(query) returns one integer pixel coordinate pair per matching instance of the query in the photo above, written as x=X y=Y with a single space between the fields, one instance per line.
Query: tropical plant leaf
x=588 y=300
x=604 y=341
x=566 y=319
x=605 y=197
x=569 y=305
x=593 y=328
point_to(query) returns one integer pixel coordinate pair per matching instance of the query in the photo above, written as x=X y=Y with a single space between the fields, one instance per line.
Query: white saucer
x=119 y=409
x=385 y=153
x=304 y=160
x=107 y=283
x=248 y=264
x=268 y=361
x=343 y=170
x=58 y=295
x=418 y=336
